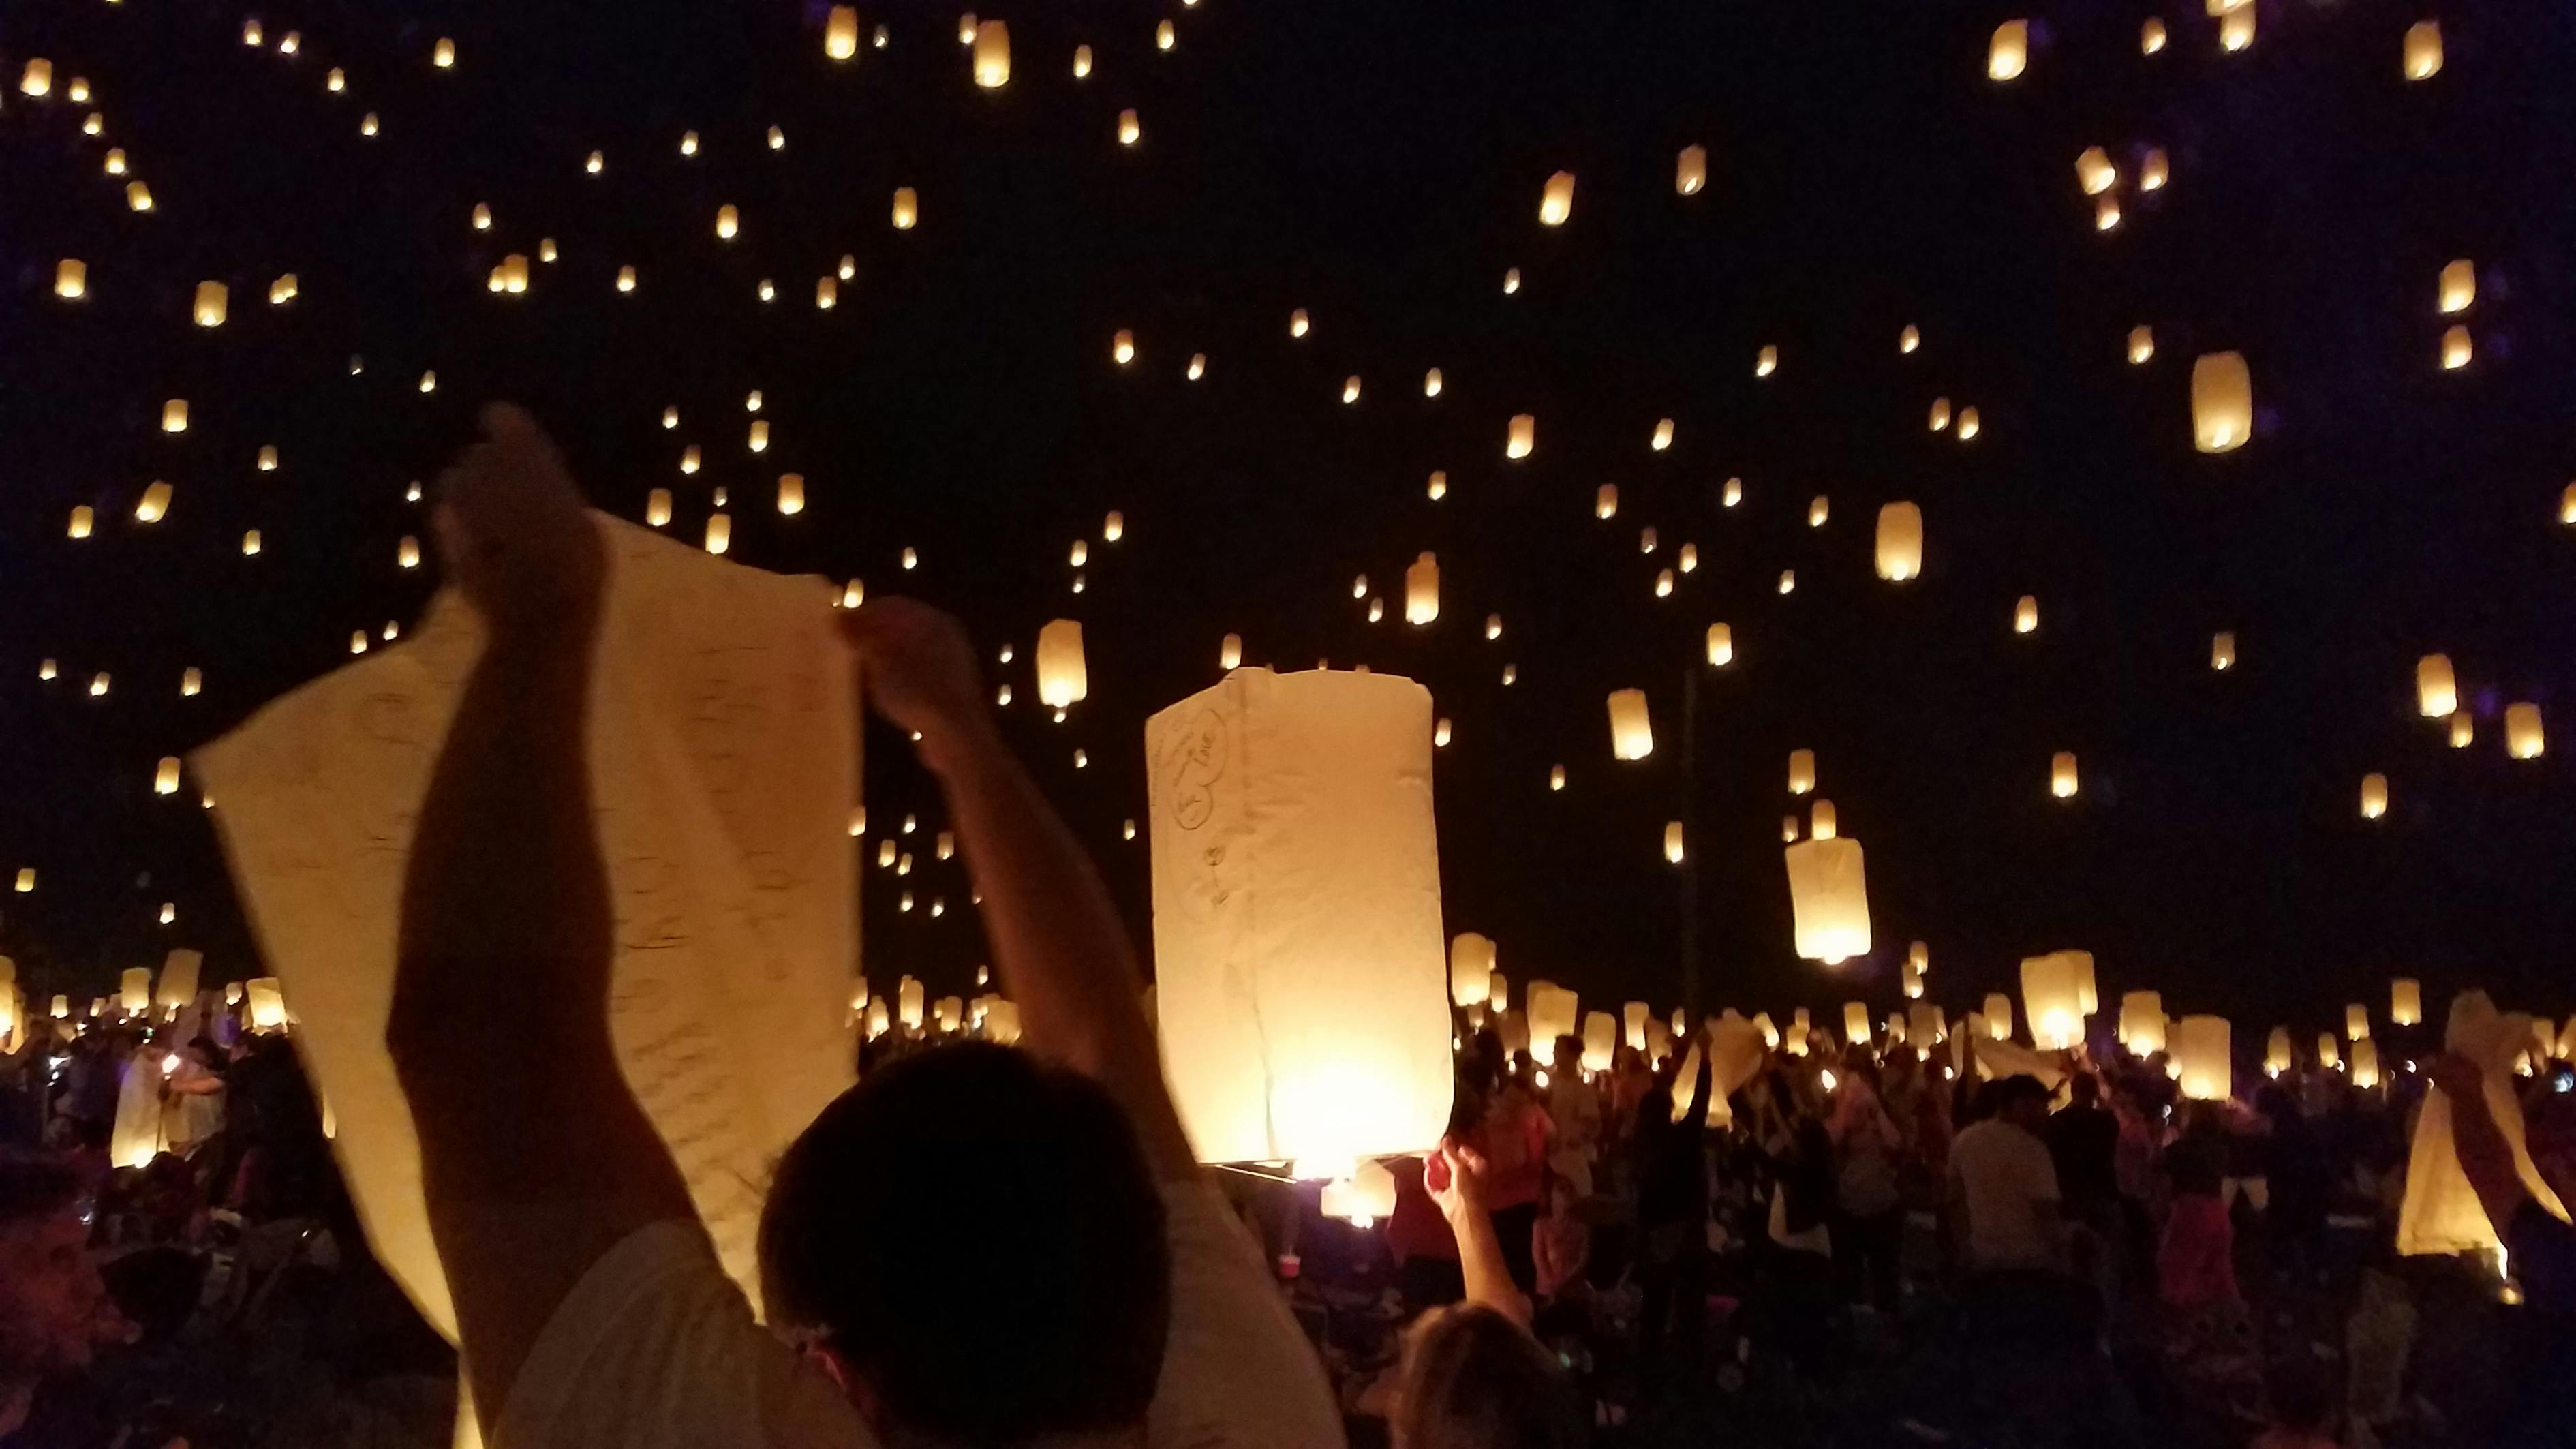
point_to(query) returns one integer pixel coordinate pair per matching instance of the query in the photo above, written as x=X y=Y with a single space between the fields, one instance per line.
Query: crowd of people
x=984 y=1246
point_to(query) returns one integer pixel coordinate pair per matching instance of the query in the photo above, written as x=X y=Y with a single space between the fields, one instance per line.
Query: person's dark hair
x=1474 y=1379
x=2084 y=1090
x=34 y=1187
x=977 y=1233
x=2016 y=1089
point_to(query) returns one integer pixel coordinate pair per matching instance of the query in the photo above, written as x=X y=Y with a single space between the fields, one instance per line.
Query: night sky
x=1380 y=165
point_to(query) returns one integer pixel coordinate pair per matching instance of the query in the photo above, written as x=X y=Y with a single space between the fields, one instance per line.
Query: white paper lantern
x=2201 y=1048
x=1900 y=542
x=2405 y=1002
x=1471 y=968
x=2222 y=402
x=1829 y=899
x=1422 y=590
x=1632 y=733
x=1063 y=677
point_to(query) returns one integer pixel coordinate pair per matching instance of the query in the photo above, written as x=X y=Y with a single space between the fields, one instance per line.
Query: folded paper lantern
x=1471 y=968
x=1900 y=542
x=2202 y=1050
x=1063 y=678
x=2222 y=402
x=1828 y=899
x=722 y=749
x=1297 y=937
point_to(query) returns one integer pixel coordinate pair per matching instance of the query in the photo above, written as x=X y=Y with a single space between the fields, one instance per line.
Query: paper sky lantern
x=992 y=54
x=2329 y=1051
x=791 y=493
x=134 y=990
x=719 y=532
x=728 y=223
x=71 y=279
x=2094 y=171
x=2142 y=344
x=1130 y=130
x=2142 y=1022
x=2522 y=738
x=2236 y=29
x=1967 y=424
x=1766 y=361
x=2356 y=1020
x=1802 y=771
x=2106 y=211
x=174 y=415
x=841 y=33
x=2200 y=1047
x=1939 y=417
x=2061 y=775
x=138 y=196
x=1924 y=1026
x=2456 y=350
x=1690 y=170
x=2026 y=614
x=907 y=208
x=178 y=984
x=1821 y=824
x=1632 y=733
x=1856 y=1023
x=1600 y=1040
x=2365 y=1064
x=1297 y=918
x=2423 y=50
x=2009 y=51
x=1909 y=979
x=626 y=279
x=26 y=879
x=2153 y=170
x=1553 y=1012
x=165 y=778
x=2222 y=402
x=1422 y=590
x=1909 y=339
x=2459 y=286
x=1663 y=435
x=2052 y=1000
x=2278 y=1054
x=1471 y=968
x=1733 y=493
x=1229 y=653
x=1498 y=995
x=1721 y=645
x=1999 y=1016
x=1081 y=61
x=191 y=682
x=1900 y=542
x=1521 y=437
x=1556 y=201
x=2374 y=796
x=1605 y=502
x=1819 y=508
x=2464 y=730
x=2151 y=37
x=2436 y=689
x=1063 y=679
x=1636 y=1020
x=1829 y=899
x=1164 y=35
x=2222 y=651
x=154 y=505
x=657 y=507
x=1673 y=841
x=83 y=517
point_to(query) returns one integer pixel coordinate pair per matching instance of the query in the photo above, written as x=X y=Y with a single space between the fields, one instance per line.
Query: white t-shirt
x=2010 y=1185
x=656 y=1348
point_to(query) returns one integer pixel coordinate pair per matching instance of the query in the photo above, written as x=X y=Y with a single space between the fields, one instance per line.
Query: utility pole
x=1692 y=844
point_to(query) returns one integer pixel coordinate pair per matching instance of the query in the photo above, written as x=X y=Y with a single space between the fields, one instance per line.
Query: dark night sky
x=1380 y=165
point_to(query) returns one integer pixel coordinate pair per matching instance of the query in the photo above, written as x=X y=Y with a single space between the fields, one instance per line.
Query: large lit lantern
x=1820 y=820
x=1632 y=734
x=1900 y=542
x=2222 y=401
x=2437 y=693
x=2142 y=1022
x=1552 y=1012
x=2405 y=1002
x=2052 y=1000
x=909 y=999
x=213 y=301
x=1828 y=899
x=1471 y=968
x=1600 y=1040
x=1063 y=678
x=165 y=778
x=1556 y=202
x=2365 y=1064
x=2356 y=1021
x=791 y=493
x=2423 y=53
x=2464 y=730
x=1690 y=172
x=1130 y=129
x=2456 y=348
x=2202 y=1050
x=178 y=984
x=2459 y=285
x=71 y=279
x=2441 y=1212
x=2061 y=775
x=134 y=990
x=2522 y=738
x=1422 y=590
x=1297 y=936
x=719 y=532
x=1521 y=436
x=1802 y=771
x=841 y=33
x=1721 y=645
x=992 y=54
x=2009 y=51
x=2236 y=28
x=2374 y=796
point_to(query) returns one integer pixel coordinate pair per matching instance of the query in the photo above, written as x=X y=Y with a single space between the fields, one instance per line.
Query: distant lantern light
x=1122 y=347
x=2236 y=29
x=2151 y=37
x=2455 y=348
x=1359 y=587
x=2142 y=345
x=1732 y=494
x=841 y=33
x=1422 y=590
x=2464 y=730
x=1197 y=368
x=82 y=518
x=688 y=143
x=595 y=164
x=2423 y=50
x=443 y=54
x=1690 y=170
x=626 y=279
x=719 y=532
x=1663 y=435
x=1511 y=673
x=966 y=28
x=1788 y=581
x=1556 y=199
x=1063 y=677
x=1351 y=389
x=2459 y=285
x=1829 y=899
x=777 y=139
x=1819 y=508
x=992 y=54
x=1664 y=584
x=2061 y=775
x=407 y=553
x=728 y=223
x=174 y=415
x=1164 y=36
x=2222 y=651
x=2374 y=795
x=2154 y=170
x=1431 y=383
x=192 y=682
x=251 y=544
x=2094 y=171
x=138 y=196
x=1689 y=559
x=98 y=685
x=1521 y=436
x=1130 y=131
x=877 y=38
x=154 y=505
x=1967 y=424
x=71 y=279
x=2522 y=736
x=2106 y=211
x=26 y=879
x=907 y=208
x=1376 y=612
x=1511 y=280
x=1766 y=361
x=1229 y=652
x=2436 y=688
x=1297 y=324
x=1632 y=732
x=1113 y=526
x=1605 y=501
x=367 y=124
x=910 y=559
x=482 y=216
x=768 y=290
x=2009 y=51
x=165 y=779
x=791 y=493
x=1673 y=841
x=1900 y=542
x=2222 y=401
x=853 y=594
x=1802 y=771
x=1081 y=61
x=1791 y=828
x=1721 y=645
x=38 y=77
x=827 y=293
x=1939 y=417
x=2026 y=614
x=2405 y=1001
x=1908 y=339
x=1822 y=823
x=1556 y=777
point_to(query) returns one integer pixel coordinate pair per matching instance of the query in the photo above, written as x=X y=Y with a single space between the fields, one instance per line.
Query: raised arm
x=535 y=1157
x=1058 y=943
x=1455 y=1177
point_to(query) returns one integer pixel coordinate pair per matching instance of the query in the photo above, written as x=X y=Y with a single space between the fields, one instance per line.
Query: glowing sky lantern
x=1553 y=1012
x=1081 y=61
x=2422 y=54
x=2236 y=29
x=1909 y=339
x=1939 y=416
x=2456 y=348
x=827 y=293
x=992 y=54
x=2459 y=285
x=1605 y=501
x=1766 y=361
x=1721 y=645
x=37 y=79
x=2405 y=1001
x=154 y=505
x=907 y=208
x=1296 y=906
x=1822 y=823
x=174 y=415
x=1063 y=678
x=1556 y=199
x=2094 y=171
x=192 y=681
x=2464 y=730
x=2009 y=51
x=1521 y=436
x=2522 y=736
x=1829 y=899
x=1802 y=771
x=2026 y=614
x=71 y=279
x=165 y=777
x=2061 y=775
x=1632 y=733
x=1431 y=383
x=1130 y=130
x=1600 y=1040
x=2222 y=402
x=2374 y=796
x=791 y=493
x=2151 y=37
x=2142 y=1022
x=443 y=54
x=1663 y=435
x=2052 y=1000
x=1900 y=542
x=1690 y=170
x=1122 y=347
x=1422 y=590
x=2356 y=1021
x=2365 y=1064
x=1471 y=968
x=1967 y=424
x=134 y=990
x=2279 y=1055
x=728 y=223
x=1351 y=388
x=657 y=507
x=2106 y=211
x=626 y=279
x=1673 y=851
x=407 y=553
x=2436 y=691
x=841 y=33
x=719 y=532
x=26 y=881
x=2201 y=1047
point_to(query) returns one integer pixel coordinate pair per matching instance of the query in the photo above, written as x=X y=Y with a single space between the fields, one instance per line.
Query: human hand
x=919 y=671
x=1454 y=1175
x=512 y=529
x=2456 y=1075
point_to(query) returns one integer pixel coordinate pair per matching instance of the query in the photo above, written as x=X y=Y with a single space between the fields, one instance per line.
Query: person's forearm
x=1058 y=943
x=1487 y=1277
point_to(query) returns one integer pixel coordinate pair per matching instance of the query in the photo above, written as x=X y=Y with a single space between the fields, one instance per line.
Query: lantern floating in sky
x=2459 y=285
x=1130 y=131
x=154 y=504
x=827 y=293
x=2142 y=344
x=443 y=54
x=1081 y=61
x=1789 y=829
x=2142 y=1022
x=2222 y=651
x=2094 y=171
x=1821 y=820
x=2278 y=1054
x=1063 y=679
x=165 y=779
x=1556 y=777
x=81 y=520
x=2009 y=51
x=2052 y=999
x=1939 y=417
x=2464 y=730
x=1828 y=899
x=250 y=547
x=367 y=124
x=1431 y=383
x=2236 y=28
x=1605 y=501
x=1511 y=280
x=2374 y=796
x=406 y=555
x=1471 y=968
x=2026 y=614
x=992 y=54
x=2405 y=1001
x=2151 y=37
x=1122 y=347
x=841 y=33
x=1721 y=645
x=626 y=279
x=2106 y=211
x=791 y=493
x=594 y=164
x=1165 y=36
x=688 y=143
x=1908 y=339
x=2522 y=737
x=1802 y=771
x=1520 y=438
x=907 y=208
x=1690 y=170
x=1900 y=542
x=1673 y=841
x=689 y=459
x=1351 y=389
x=719 y=532
x=728 y=222
x=2455 y=348
x=1766 y=361
x=2153 y=170
x=2061 y=775
x=2222 y=401
x=2201 y=1049
x=1663 y=436
x=114 y=161
x=26 y=879
x=38 y=77
x=1556 y=200
x=2423 y=50
x=174 y=415
x=1198 y=366
x=2356 y=1021
x=657 y=508
x=71 y=279
x=1632 y=734
x=1422 y=590
x=1967 y=424
x=1788 y=581
x=2436 y=691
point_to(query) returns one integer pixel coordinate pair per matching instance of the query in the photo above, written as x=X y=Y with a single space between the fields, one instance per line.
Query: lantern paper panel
x=1297 y=934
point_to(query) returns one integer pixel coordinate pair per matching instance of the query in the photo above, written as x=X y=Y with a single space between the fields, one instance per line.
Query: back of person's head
x=976 y=1236
x=2084 y=1091
x=1474 y=1379
x=2020 y=1098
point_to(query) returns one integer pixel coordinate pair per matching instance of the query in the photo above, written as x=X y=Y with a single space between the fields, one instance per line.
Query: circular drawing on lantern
x=1195 y=767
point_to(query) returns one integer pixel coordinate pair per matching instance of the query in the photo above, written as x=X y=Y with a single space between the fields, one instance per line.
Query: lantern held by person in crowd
x=2201 y=1048
x=1471 y=968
